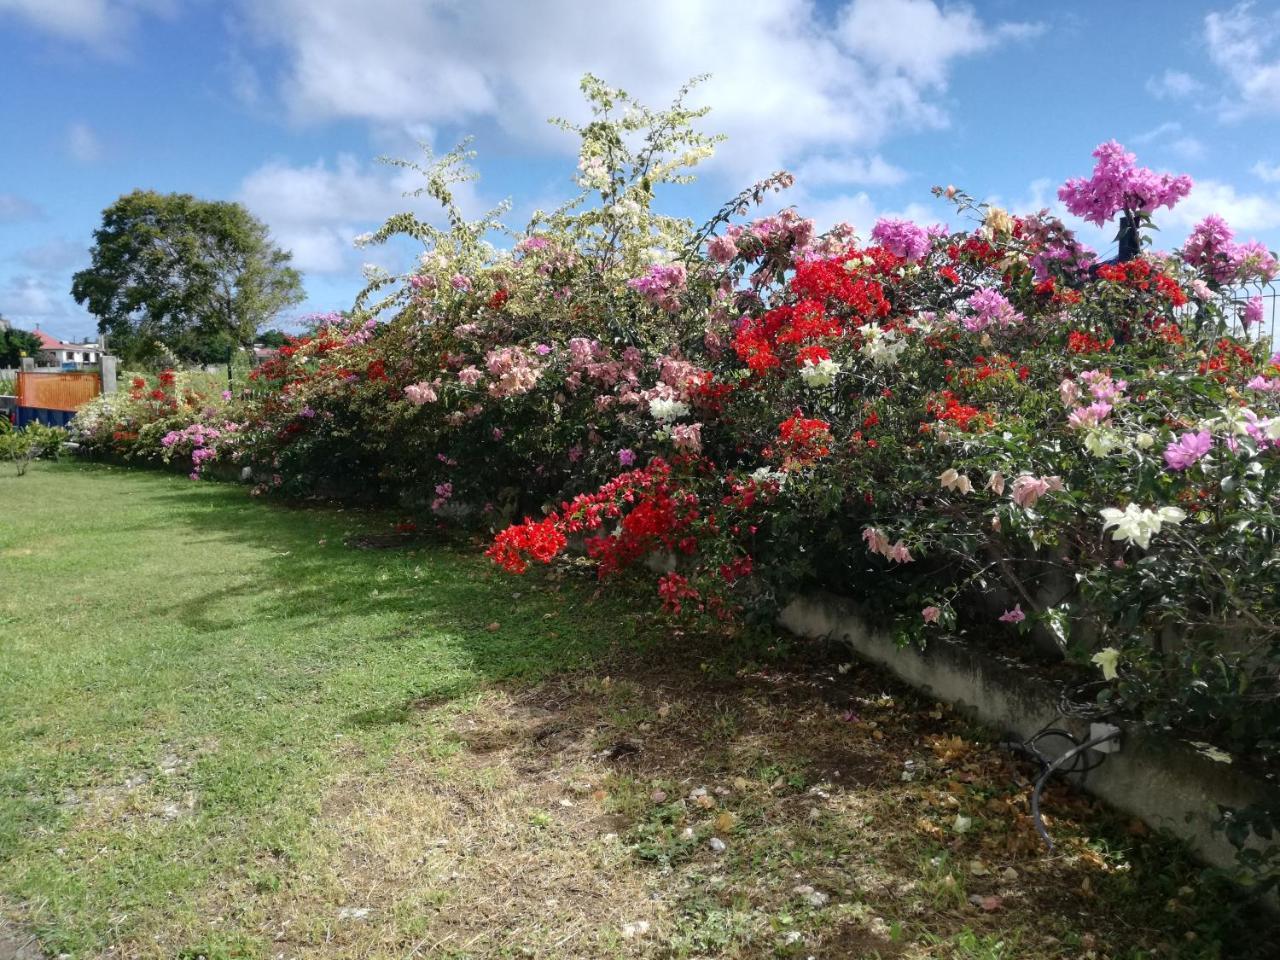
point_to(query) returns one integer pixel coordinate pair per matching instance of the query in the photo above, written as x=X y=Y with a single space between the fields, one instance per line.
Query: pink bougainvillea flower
x=1013 y=616
x=1027 y=489
x=1187 y=449
x=931 y=614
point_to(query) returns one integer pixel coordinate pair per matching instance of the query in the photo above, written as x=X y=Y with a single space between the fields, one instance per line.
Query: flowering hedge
x=981 y=431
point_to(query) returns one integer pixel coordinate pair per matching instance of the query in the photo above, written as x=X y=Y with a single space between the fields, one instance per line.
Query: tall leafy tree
x=196 y=276
x=16 y=344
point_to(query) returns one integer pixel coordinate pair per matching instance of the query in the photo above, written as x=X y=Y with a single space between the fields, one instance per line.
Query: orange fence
x=57 y=391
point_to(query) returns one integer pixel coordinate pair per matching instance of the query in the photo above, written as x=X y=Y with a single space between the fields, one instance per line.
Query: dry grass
x=568 y=820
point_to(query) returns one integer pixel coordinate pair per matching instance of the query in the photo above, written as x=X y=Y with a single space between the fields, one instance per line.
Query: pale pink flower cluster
x=1117 y=184
x=785 y=227
x=878 y=543
x=444 y=493
x=514 y=372
x=677 y=373
x=591 y=360
x=424 y=391
x=722 y=249
x=687 y=437
x=1106 y=392
x=1027 y=489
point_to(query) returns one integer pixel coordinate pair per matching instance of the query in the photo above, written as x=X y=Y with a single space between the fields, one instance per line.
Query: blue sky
x=285 y=104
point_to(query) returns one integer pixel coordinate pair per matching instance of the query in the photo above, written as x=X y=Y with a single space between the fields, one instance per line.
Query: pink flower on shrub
x=1102 y=386
x=1252 y=312
x=515 y=372
x=1118 y=183
x=687 y=437
x=990 y=307
x=662 y=285
x=626 y=456
x=722 y=249
x=420 y=393
x=1013 y=616
x=460 y=282
x=901 y=237
x=1028 y=489
x=470 y=376
x=1187 y=449
x=1211 y=247
x=876 y=541
x=1069 y=392
x=930 y=614
x=1090 y=416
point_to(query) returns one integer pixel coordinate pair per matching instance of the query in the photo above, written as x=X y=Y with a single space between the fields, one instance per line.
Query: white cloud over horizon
x=785 y=80
x=1245 y=45
x=103 y=26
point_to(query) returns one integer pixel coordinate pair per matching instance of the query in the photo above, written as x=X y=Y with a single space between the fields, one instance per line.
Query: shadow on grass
x=303 y=578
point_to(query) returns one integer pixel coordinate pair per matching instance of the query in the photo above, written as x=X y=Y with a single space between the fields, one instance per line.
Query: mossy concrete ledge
x=1168 y=783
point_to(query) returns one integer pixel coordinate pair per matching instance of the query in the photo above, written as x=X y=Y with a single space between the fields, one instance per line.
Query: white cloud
x=784 y=83
x=1268 y=172
x=1166 y=134
x=43 y=301
x=100 y=24
x=83 y=143
x=14 y=209
x=1173 y=85
x=871 y=171
x=57 y=254
x=317 y=210
x=1155 y=133
x=1243 y=45
x=1245 y=212
x=918 y=40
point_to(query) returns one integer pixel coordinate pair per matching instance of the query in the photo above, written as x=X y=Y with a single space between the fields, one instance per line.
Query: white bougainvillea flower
x=952 y=479
x=663 y=409
x=821 y=373
x=1107 y=658
x=1137 y=525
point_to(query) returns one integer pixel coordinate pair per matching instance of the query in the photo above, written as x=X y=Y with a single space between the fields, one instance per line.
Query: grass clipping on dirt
x=676 y=807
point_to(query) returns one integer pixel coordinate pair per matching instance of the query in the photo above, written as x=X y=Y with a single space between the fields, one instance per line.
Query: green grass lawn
x=226 y=649
x=227 y=730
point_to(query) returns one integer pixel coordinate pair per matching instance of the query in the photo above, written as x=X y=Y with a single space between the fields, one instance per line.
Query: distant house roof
x=51 y=343
x=265 y=353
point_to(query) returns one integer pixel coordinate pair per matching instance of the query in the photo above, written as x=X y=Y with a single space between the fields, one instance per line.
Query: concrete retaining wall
x=1166 y=782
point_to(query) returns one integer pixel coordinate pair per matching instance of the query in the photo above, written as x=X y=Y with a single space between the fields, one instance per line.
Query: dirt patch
x=667 y=807
x=16 y=944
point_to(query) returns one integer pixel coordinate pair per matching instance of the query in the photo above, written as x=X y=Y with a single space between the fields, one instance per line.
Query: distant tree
x=273 y=338
x=16 y=344
x=198 y=276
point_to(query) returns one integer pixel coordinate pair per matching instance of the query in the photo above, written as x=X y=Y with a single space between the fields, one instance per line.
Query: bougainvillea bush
x=980 y=431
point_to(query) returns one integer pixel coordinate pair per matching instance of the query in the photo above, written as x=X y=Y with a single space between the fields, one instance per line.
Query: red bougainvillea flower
x=803 y=440
x=539 y=539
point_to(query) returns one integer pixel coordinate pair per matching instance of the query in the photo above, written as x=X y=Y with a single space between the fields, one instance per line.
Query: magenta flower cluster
x=1117 y=184
x=662 y=285
x=901 y=237
x=990 y=308
x=1212 y=247
x=1187 y=449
